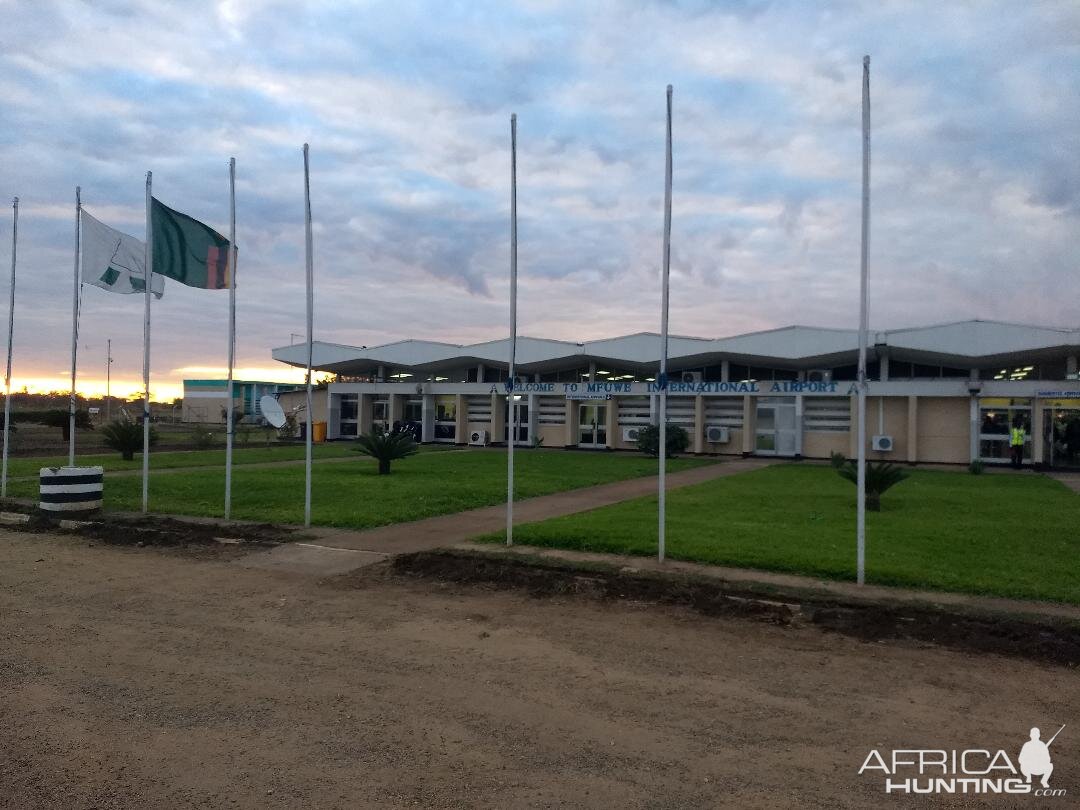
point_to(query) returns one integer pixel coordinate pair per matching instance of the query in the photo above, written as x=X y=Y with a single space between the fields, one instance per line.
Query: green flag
x=189 y=251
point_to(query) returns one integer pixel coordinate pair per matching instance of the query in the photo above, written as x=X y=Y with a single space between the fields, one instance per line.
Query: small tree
x=648 y=440
x=386 y=447
x=879 y=478
x=62 y=419
x=126 y=437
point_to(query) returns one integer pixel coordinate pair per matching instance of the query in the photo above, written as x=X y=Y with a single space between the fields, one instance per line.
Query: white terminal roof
x=964 y=344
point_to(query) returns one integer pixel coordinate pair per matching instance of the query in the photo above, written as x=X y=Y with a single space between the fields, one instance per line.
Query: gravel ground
x=137 y=678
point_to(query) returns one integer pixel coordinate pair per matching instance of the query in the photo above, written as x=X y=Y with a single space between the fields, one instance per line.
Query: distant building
x=947 y=393
x=205 y=401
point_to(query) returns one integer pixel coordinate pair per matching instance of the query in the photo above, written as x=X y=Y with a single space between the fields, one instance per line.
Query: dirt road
x=135 y=678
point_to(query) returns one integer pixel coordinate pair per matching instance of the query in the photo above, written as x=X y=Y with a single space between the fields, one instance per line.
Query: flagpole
x=864 y=320
x=513 y=412
x=310 y=268
x=662 y=494
x=10 y=336
x=232 y=338
x=108 y=380
x=74 y=327
x=149 y=277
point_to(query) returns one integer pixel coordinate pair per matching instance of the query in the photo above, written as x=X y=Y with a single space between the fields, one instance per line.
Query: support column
x=973 y=418
x=461 y=423
x=365 y=413
x=1036 y=431
x=853 y=430
x=725 y=371
x=333 y=415
x=912 y=429
x=698 y=443
x=573 y=414
x=498 y=417
x=427 y=418
x=397 y=409
x=1070 y=367
x=749 y=422
x=798 y=425
x=612 y=421
x=534 y=416
x=480 y=373
x=883 y=367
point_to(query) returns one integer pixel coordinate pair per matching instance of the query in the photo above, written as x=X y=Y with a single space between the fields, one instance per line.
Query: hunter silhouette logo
x=1035 y=758
x=979 y=771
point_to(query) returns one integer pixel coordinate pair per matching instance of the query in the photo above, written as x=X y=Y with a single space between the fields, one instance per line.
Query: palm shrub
x=648 y=440
x=879 y=478
x=126 y=437
x=837 y=460
x=386 y=447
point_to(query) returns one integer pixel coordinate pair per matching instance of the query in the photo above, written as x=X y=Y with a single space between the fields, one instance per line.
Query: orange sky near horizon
x=162 y=389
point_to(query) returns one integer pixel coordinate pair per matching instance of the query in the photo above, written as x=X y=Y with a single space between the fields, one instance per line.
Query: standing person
x=1016 y=443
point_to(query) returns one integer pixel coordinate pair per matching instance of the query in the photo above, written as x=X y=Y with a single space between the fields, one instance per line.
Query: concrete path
x=1069 y=479
x=322 y=553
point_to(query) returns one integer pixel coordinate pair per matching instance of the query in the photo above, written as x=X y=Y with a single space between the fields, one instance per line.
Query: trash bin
x=67 y=490
x=318 y=432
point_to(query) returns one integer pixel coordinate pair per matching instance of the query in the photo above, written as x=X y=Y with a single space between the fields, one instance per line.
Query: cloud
x=975 y=165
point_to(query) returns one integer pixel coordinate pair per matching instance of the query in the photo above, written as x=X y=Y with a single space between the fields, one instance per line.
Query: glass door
x=592 y=425
x=1061 y=434
x=776 y=433
x=521 y=405
x=997 y=416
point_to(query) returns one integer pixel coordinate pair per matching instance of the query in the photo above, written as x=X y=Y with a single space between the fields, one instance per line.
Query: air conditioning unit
x=630 y=434
x=691 y=376
x=717 y=434
x=479 y=438
x=882 y=444
x=819 y=375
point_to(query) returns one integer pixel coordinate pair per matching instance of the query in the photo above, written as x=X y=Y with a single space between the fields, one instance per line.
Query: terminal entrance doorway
x=1061 y=434
x=521 y=405
x=592 y=425
x=776 y=426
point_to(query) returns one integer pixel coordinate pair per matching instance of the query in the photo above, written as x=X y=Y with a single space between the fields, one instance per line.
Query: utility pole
x=108 y=380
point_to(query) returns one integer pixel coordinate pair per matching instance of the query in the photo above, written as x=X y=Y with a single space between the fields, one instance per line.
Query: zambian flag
x=188 y=251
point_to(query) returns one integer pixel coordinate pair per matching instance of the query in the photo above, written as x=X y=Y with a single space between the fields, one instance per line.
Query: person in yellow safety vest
x=1017 y=437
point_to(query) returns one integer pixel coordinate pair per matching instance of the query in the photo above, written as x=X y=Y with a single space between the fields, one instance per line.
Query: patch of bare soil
x=227 y=539
x=962 y=629
x=136 y=680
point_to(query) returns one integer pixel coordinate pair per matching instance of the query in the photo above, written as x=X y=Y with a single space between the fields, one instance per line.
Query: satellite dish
x=271 y=411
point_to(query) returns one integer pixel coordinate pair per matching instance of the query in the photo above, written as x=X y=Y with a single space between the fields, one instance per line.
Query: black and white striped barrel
x=71 y=489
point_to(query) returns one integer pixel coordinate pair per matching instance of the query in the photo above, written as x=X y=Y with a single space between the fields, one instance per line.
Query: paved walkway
x=1069 y=479
x=323 y=554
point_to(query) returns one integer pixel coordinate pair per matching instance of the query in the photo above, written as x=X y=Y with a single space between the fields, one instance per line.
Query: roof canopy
x=963 y=344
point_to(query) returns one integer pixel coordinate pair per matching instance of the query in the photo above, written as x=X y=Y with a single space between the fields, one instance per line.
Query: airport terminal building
x=944 y=394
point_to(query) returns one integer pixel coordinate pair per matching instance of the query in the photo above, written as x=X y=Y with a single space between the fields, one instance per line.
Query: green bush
x=61 y=418
x=879 y=478
x=202 y=439
x=648 y=440
x=126 y=437
x=837 y=460
x=976 y=467
x=386 y=447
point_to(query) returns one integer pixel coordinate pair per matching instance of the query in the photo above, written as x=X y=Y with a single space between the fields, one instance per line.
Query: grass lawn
x=1005 y=535
x=255 y=454
x=354 y=495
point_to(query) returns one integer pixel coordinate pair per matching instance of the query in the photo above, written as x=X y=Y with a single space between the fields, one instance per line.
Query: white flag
x=115 y=261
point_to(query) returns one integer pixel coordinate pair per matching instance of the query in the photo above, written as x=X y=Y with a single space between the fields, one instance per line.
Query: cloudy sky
x=976 y=167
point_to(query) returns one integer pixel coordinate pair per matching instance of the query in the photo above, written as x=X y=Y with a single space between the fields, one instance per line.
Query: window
x=445 y=408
